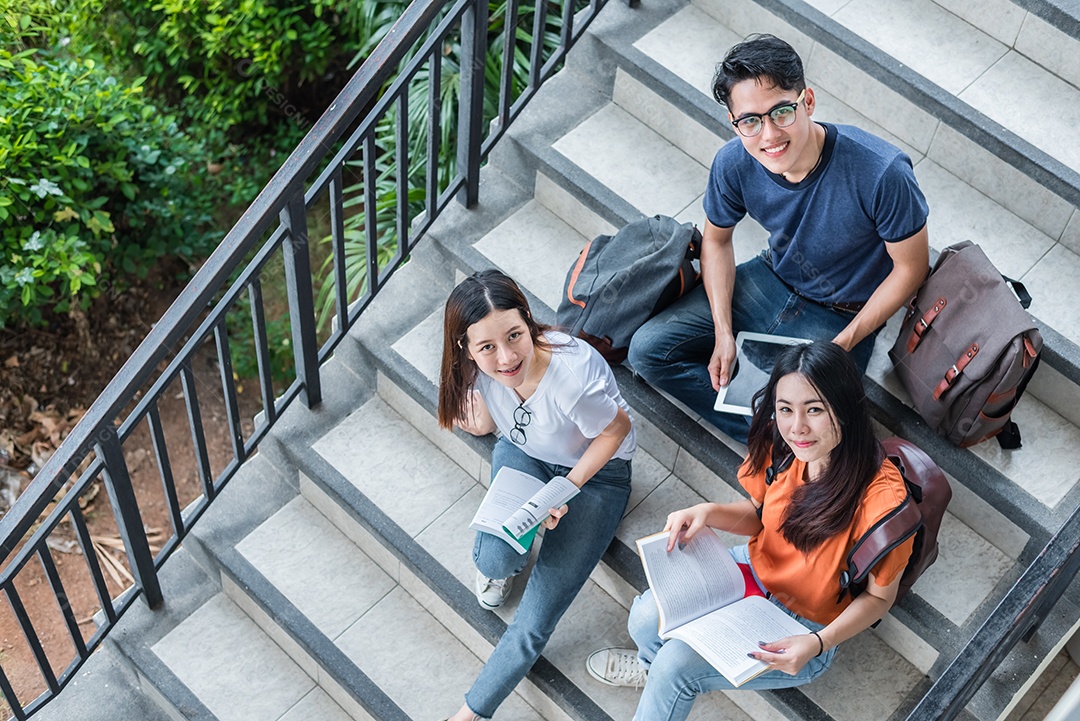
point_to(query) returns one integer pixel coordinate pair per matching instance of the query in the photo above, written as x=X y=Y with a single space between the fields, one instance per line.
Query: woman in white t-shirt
x=559 y=412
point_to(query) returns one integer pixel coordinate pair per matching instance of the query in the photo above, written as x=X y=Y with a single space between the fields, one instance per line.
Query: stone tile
x=690 y=43
x=959 y=212
x=342 y=698
x=1008 y=91
x=1000 y=19
x=613 y=585
x=594 y=621
x=232 y=666
x=828 y=7
x=1058 y=269
x=1000 y=181
x=269 y=626
x=654 y=441
x=880 y=368
x=1035 y=689
x=534 y=247
x=867 y=680
x=1045 y=467
x=648 y=473
x=1061 y=682
x=662 y=179
x=970 y=509
x=449 y=540
x=925 y=37
x=1050 y=48
x=316 y=705
x=422 y=346
x=673 y=494
x=434 y=604
x=303 y=554
x=876 y=101
x=393 y=644
x=706 y=483
x=364 y=540
x=754 y=705
x=738 y=447
x=907 y=643
x=394 y=466
x=744 y=17
x=571 y=210
x=1070 y=238
x=830 y=109
x=419 y=418
x=1058 y=392
x=689 y=136
x=966 y=571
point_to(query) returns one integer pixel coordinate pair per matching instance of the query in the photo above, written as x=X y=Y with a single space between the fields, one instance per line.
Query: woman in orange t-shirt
x=832 y=484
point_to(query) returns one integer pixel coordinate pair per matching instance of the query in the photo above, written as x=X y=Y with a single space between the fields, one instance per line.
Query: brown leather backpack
x=967 y=348
x=919 y=515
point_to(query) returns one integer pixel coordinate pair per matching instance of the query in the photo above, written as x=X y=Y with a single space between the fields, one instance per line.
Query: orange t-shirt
x=809 y=584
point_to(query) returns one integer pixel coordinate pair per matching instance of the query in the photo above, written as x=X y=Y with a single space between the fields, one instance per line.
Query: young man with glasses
x=847 y=235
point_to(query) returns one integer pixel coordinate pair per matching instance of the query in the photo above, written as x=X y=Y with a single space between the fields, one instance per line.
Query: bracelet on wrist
x=821 y=644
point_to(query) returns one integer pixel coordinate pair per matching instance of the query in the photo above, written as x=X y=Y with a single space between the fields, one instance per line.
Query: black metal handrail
x=1015 y=618
x=94 y=449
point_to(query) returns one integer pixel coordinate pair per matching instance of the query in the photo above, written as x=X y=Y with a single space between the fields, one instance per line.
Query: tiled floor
x=237 y=672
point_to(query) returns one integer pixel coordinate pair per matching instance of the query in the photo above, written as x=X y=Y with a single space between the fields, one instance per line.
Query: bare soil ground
x=48 y=378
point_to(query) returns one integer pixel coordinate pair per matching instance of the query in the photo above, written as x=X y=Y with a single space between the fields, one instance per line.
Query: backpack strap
x=779 y=465
x=894 y=528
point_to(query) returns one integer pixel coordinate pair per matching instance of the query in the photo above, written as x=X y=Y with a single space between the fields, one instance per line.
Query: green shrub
x=241 y=65
x=95 y=184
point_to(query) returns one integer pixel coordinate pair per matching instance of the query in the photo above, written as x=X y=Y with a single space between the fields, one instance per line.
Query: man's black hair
x=763 y=57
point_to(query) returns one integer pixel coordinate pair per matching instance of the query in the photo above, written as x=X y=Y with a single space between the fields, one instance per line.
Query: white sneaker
x=617 y=667
x=492 y=592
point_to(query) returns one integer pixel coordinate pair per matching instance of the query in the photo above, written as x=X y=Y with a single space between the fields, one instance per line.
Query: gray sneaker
x=492 y=592
x=617 y=667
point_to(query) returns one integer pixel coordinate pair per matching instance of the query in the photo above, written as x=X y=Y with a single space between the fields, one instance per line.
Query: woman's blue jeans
x=677 y=674
x=672 y=350
x=567 y=556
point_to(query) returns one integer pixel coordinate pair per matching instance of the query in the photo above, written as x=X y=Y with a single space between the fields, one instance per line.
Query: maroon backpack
x=919 y=515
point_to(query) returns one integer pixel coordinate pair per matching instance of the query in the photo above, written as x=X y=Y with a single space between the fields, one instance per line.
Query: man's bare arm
x=911 y=260
x=718 y=276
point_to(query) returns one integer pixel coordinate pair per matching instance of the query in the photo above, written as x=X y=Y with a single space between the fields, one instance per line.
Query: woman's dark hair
x=471 y=301
x=824 y=506
x=760 y=57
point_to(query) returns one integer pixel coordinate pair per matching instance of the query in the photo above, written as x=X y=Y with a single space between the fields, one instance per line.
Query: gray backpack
x=620 y=281
x=968 y=348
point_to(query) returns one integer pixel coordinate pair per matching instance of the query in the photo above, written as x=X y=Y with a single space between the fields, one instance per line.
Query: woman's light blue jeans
x=672 y=350
x=677 y=674
x=567 y=556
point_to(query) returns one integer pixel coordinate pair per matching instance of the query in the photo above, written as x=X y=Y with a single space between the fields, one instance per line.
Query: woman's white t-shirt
x=575 y=400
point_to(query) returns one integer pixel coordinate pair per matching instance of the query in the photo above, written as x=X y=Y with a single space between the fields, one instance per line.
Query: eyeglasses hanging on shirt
x=522 y=418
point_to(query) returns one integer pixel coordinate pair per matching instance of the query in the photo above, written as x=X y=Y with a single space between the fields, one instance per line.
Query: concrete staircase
x=332 y=578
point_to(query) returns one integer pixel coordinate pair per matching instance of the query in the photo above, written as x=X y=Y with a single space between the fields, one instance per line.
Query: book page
x=532 y=512
x=691 y=582
x=725 y=636
x=509 y=489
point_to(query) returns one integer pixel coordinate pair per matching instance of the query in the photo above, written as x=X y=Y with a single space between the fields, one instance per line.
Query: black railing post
x=297 y=257
x=471 y=106
x=129 y=521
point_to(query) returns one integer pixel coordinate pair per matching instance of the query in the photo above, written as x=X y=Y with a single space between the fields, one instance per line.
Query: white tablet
x=756 y=355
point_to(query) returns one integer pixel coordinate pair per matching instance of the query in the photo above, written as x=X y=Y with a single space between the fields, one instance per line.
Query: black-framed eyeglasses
x=782 y=116
x=522 y=418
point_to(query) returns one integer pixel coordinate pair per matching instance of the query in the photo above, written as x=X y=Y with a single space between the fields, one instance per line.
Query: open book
x=703 y=601
x=516 y=504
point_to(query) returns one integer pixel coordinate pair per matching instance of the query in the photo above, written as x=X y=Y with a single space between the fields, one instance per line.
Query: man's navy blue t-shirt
x=827 y=233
